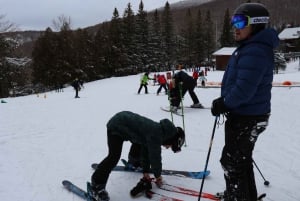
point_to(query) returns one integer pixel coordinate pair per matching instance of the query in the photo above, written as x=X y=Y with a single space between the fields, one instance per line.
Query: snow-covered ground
x=50 y=137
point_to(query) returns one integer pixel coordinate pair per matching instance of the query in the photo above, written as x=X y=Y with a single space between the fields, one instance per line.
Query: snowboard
x=178 y=173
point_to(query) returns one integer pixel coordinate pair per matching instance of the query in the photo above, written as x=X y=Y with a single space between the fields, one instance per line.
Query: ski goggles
x=241 y=21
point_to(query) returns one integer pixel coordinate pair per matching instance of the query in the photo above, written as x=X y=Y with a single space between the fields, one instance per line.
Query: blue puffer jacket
x=247 y=81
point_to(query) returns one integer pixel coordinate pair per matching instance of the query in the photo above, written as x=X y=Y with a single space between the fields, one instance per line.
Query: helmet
x=252 y=10
x=178 y=140
x=258 y=14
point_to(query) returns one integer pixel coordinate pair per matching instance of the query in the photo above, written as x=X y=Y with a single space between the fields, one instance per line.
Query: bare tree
x=62 y=23
x=5 y=25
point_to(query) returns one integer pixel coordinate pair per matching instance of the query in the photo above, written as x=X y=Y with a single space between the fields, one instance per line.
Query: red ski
x=186 y=191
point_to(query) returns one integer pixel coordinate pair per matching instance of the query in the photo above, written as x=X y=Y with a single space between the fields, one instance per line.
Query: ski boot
x=197 y=105
x=143 y=185
x=222 y=196
x=97 y=193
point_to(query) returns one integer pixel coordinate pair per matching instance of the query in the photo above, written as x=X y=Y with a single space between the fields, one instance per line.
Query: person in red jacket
x=162 y=81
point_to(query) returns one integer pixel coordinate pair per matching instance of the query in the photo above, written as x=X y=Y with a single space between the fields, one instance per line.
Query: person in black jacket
x=183 y=83
x=77 y=84
x=150 y=135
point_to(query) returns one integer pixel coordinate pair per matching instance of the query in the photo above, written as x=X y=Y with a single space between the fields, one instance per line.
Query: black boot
x=98 y=193
x=143 y=185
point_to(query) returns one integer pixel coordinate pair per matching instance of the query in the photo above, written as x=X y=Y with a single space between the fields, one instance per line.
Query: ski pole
x=169 y=97
x=266 y=182
x=208 y=155
x=181 y=102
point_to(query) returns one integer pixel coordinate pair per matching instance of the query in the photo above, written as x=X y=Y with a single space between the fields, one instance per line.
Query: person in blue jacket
x=150 y=135
x=246 y=98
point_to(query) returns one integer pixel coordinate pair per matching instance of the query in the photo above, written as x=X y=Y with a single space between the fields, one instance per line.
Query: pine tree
x=199 y=39
x=117 y=55
x=142 y=37
x=209 y=43
x=83 y=55
x=155 y=43
x=45 y=57
x=226 y=39
x=189 y=39
x=129 y=36
x=168 y=42
x=102 y=50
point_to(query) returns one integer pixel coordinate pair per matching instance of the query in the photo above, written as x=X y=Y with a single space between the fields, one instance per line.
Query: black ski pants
x=241 y=133
x=141 y=86
x=176 y=95
x=101 y=174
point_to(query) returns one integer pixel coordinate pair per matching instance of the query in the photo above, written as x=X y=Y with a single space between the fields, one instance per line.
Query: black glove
x=218 y=107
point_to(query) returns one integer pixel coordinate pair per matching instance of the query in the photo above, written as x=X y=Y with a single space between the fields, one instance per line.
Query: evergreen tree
x=83 y=55
x=102 y=50
x=199 y=40
x=168 y=39
x=226 y=39
x=45 y=57
x=189 y=39
x=129 y=36
x=65 y=67
x=142 y=37
x=5 y=71
x=208 y=42
x=155 y=43
x=116 y=52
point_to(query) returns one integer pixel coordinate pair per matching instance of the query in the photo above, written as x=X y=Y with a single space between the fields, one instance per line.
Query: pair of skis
x=149 y=194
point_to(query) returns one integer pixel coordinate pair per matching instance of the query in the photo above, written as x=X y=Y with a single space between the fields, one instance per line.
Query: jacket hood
x=169 y=130
x=267 y=36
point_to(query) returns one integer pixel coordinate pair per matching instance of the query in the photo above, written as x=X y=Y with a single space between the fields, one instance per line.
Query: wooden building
x=222 y=56
x=289 y=38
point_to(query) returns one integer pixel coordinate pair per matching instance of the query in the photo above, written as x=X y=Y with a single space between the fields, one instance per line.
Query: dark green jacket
x=146 y=132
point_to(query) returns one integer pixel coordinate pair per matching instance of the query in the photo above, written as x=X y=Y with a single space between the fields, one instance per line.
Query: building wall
x=222 y=61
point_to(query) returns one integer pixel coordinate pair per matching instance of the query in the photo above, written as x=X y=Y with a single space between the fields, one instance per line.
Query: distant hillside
x=282 y=12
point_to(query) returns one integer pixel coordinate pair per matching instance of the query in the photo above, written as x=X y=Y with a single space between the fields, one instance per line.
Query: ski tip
x=259 y=198
x=94 y=165
x=65 y=182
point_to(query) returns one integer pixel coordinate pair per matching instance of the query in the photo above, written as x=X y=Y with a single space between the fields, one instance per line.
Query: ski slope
x=49 y=137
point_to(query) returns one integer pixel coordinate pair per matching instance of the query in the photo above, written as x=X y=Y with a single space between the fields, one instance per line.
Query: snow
x=290 y=33
x=224 y=51
x=49 y=137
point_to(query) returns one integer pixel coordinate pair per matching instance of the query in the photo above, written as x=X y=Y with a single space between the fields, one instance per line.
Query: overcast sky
x=39 y=14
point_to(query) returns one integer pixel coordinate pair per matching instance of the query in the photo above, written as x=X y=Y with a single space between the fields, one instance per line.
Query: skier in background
x=144 y=83
x=246 y=98
x=183 y=82
x=150 y=135
x=162 y=81
x=77 y=85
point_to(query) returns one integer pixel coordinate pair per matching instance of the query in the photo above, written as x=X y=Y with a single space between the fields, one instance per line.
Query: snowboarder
x=183 y=82
x=246 y=98
x=150 y=135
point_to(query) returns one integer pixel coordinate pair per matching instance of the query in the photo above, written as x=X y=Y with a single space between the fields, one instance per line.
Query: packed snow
x=46 y=138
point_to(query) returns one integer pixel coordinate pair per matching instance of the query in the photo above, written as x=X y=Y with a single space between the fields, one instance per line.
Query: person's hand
x=147 y=176
x=218 y=107
x=159 y=181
